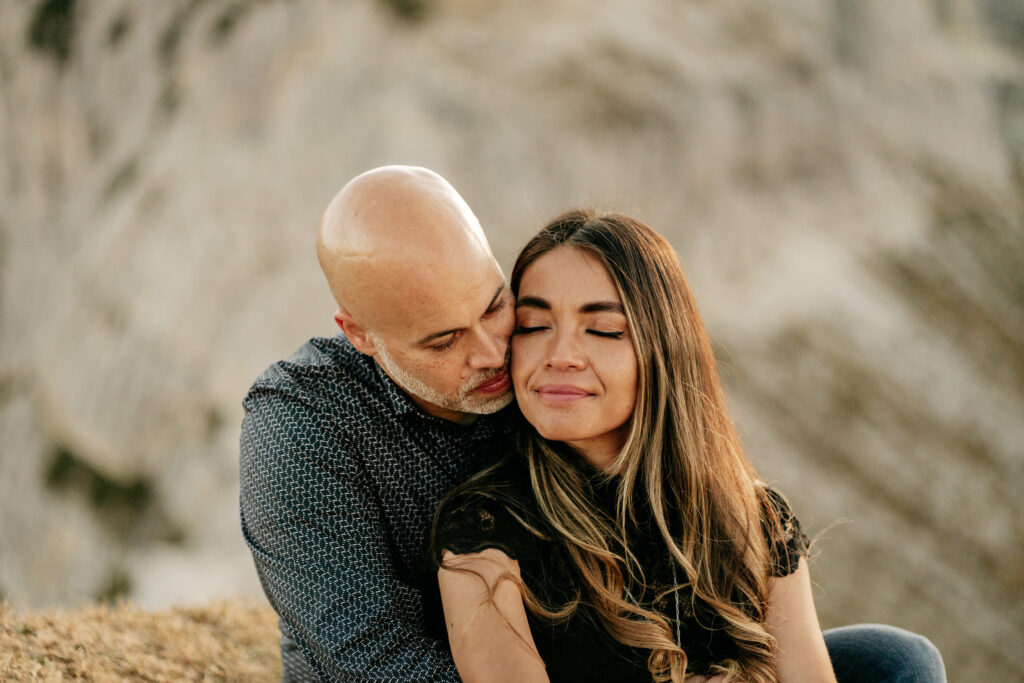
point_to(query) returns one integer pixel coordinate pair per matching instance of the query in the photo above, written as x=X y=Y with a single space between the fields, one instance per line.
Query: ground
x=222 y=641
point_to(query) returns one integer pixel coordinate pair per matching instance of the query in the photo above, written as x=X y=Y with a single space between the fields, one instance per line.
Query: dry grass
x=223 y=641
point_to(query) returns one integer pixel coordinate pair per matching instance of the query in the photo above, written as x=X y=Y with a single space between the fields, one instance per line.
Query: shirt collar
x=400 y=401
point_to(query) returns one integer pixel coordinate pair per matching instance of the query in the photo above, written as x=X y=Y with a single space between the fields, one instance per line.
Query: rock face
x=844 y=182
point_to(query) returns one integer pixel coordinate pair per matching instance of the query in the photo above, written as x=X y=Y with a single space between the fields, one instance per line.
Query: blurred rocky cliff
x=843 y=180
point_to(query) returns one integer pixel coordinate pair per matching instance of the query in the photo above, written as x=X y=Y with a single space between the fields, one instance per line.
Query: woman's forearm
x=793 y=622
x=487 y=625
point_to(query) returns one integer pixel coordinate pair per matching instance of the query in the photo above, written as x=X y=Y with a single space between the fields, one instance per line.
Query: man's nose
x=490 y=351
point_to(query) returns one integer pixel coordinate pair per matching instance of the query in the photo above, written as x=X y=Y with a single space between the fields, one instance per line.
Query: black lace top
x=580 y=648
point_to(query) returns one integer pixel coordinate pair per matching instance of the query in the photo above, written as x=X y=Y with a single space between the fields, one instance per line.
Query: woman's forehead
x=568 y=273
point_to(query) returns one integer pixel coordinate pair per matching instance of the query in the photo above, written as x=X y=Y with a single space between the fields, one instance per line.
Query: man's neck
x=456 y=416
x=403 y=382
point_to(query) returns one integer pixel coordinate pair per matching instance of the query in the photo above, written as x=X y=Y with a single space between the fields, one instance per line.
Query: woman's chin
x=557 y=432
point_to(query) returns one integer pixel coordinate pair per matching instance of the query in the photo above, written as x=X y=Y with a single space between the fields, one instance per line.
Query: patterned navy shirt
x=340 y=475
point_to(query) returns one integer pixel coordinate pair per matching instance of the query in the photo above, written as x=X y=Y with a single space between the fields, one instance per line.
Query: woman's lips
x=496 y=384
x=561 y=393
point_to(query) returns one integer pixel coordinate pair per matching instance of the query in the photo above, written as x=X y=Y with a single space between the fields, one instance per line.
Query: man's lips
x=561 y=393
x=496 y=384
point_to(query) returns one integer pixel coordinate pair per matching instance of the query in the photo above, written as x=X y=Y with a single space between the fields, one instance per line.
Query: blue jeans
x=877 y=653
x=865 y=653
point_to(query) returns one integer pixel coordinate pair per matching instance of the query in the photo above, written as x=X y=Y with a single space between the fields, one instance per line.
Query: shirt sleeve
x=471 y=523
x=317 y=536
x=789 y=543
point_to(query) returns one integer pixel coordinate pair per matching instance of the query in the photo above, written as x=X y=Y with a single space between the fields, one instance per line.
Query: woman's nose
x=565 y=353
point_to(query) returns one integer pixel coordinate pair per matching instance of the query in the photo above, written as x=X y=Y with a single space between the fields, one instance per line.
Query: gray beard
x=463 y=401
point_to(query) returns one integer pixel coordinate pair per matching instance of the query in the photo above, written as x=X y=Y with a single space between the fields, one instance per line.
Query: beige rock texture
x=842 y=179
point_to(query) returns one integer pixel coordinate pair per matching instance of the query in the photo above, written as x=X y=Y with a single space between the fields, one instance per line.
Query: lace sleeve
x=470 y=524
x=791 y=543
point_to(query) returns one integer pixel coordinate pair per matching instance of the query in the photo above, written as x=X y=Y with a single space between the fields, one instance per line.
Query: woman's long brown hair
x=682 y=455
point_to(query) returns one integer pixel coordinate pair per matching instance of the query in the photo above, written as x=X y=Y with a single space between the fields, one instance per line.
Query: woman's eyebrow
x=603 y=307
x=532 y=302
x=593 y=307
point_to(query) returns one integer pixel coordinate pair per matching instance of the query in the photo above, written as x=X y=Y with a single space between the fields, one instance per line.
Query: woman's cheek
x=522 y=360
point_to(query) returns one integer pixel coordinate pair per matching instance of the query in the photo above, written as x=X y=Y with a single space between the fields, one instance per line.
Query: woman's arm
x=489 y=635
x=791 y=619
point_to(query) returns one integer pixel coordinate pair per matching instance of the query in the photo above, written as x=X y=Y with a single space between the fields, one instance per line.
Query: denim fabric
x=863 y=653
x=876 y=653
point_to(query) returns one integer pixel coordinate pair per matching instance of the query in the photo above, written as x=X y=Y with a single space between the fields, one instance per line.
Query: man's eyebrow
x=501 y=288
x=435 y=335
x=445 y=333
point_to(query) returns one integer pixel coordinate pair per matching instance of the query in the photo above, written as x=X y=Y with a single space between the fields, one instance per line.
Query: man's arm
x=318 y=541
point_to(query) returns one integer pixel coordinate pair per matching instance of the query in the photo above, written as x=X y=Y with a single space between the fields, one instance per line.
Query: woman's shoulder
x=493 y=509
x=787 y=541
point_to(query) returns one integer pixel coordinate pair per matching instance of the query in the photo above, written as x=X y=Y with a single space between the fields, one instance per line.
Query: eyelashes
x=444 y=345
x=498 y=306
x=597 y=333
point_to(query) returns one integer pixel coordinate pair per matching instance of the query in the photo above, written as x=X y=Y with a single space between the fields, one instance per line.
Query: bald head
x=419 y=290
x=392 y=229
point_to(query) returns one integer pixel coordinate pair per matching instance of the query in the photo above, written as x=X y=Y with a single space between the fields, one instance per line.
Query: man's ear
x=356 y=334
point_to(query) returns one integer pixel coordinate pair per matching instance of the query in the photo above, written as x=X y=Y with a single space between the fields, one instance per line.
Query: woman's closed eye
x=607 y=334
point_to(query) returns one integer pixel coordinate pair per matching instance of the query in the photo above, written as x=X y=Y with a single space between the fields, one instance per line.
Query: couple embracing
x=409 y=520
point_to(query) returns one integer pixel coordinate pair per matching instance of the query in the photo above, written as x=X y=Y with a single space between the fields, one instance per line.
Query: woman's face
x=573 y=365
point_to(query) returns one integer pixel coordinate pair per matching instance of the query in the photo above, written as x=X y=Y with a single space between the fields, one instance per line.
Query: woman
x=625 y=537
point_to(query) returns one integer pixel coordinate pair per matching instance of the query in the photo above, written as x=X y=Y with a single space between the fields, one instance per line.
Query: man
x=347 y=447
